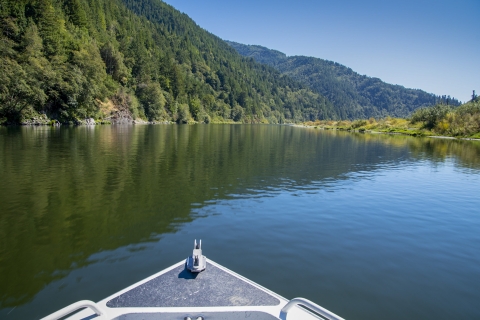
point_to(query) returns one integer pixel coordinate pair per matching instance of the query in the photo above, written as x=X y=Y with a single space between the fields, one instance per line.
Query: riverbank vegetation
x=438 y=120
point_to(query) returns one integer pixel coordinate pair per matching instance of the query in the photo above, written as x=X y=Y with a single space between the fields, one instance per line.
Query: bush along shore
x=33 y=118
x=439 y=121
x=30 y=117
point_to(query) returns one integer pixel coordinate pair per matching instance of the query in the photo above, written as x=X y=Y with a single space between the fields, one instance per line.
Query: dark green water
x=368 y=226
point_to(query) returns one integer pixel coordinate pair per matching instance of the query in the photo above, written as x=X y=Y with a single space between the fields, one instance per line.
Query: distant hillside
x=354 y=96
x=70 y=60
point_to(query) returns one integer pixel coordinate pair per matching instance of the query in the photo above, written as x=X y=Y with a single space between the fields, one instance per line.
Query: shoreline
x=390 y=133
x=92 y=122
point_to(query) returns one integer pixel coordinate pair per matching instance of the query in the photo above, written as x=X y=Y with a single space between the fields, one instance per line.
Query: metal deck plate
x=179 y=287
x=254 y=315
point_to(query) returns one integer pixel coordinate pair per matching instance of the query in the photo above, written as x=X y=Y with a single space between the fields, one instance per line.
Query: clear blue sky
x=433 y=45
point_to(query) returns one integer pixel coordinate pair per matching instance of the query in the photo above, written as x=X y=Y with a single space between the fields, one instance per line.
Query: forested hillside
x=354 y=96
x=70 y=60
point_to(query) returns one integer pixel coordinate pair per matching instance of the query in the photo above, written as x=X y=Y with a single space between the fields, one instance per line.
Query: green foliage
x=92 y=82
x=358 y=123
x=76 y=13
x=152 y=99
x=51 y=26
x=463 y=121
x=431 y=116
x=183 y=114
x=114 y=62
x=195 y=108
x=237 y=113
x=17 y=90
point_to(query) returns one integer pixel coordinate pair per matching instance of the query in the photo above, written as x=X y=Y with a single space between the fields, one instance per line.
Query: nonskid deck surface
x=194 y=289
x=175 y=293
x=180 y=288
x=254 y=315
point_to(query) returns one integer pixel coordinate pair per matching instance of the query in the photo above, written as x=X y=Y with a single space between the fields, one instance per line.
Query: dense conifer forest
x=354 y=96
x=69 y=60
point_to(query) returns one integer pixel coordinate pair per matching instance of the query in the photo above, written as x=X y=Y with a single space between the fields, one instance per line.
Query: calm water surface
x=368 y=226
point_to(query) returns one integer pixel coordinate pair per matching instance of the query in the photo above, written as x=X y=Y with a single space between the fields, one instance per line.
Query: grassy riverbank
x=439 y=120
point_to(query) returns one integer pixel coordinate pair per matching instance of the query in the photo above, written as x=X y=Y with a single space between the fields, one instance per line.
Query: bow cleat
x=197 y=262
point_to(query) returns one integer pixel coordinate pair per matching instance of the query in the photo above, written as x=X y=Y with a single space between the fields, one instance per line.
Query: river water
x=368 y=226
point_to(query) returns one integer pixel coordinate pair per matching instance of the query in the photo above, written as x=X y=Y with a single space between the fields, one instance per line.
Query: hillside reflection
x=67 y=193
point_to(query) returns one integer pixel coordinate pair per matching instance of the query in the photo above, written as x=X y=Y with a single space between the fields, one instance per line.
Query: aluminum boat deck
x=176 y=293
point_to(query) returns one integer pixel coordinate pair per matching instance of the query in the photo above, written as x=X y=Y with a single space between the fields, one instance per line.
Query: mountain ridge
x=354 y=96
